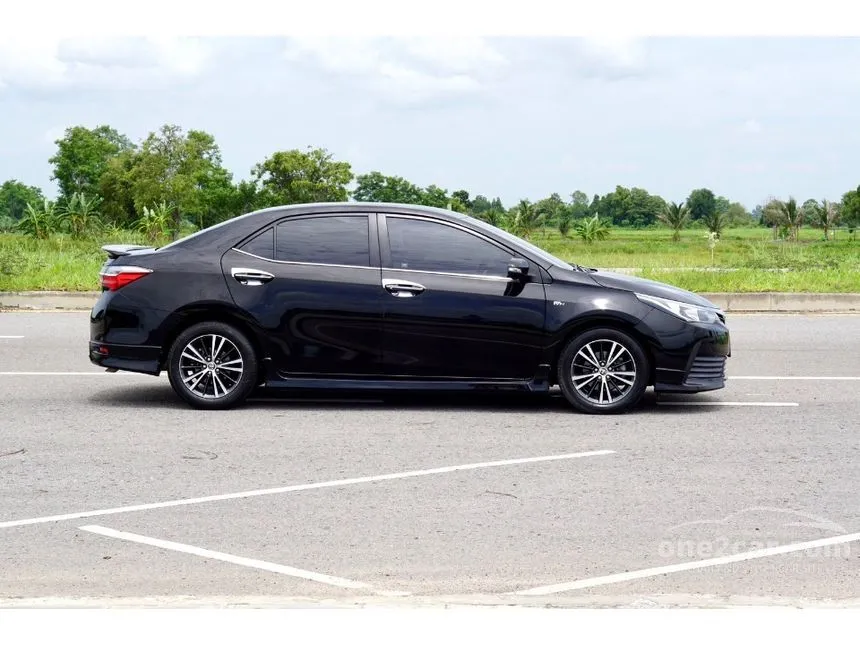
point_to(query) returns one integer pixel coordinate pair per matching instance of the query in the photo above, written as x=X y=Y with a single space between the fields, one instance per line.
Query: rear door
x=451 y=311
x=312 y=283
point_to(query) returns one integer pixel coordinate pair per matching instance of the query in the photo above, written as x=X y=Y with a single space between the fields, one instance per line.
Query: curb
x=729 y=302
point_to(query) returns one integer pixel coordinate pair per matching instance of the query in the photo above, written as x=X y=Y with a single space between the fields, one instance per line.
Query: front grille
x=707 y=368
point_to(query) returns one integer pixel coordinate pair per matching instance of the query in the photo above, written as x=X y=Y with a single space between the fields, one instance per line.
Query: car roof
x=379 y=207
x=257 y=217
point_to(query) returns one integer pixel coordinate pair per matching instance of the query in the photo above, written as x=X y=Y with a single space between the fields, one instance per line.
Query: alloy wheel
x=603 y=371
x=211 y=366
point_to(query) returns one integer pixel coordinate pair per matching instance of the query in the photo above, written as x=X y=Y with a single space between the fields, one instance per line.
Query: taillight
x=116 y=277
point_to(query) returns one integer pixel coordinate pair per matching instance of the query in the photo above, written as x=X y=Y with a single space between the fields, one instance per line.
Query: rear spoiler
x=115 y=251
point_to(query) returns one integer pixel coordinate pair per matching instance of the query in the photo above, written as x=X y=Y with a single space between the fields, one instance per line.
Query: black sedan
x=358 y=295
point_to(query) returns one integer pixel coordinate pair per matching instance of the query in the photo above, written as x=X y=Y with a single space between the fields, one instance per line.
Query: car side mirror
x=518 y=268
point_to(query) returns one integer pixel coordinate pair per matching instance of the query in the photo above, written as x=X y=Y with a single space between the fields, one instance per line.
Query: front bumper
x=691 y=357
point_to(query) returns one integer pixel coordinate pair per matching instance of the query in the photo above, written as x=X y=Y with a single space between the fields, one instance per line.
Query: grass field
x=745 y=260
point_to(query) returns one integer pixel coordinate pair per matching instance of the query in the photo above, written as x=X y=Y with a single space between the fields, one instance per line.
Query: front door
x=450 y=309
x=312 y=283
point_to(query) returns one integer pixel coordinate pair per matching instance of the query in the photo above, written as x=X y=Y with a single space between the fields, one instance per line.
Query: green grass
x=56 y=264
x=747 y=260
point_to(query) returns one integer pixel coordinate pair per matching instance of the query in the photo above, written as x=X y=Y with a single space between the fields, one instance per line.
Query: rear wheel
x=212 y=365
x=603 y=371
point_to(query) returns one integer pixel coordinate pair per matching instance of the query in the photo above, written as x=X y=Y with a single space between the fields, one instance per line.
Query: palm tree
x=826 y=216
x=676 y=216
x=592 y=229
x=564 y=220
x=524 y=219
x=716 y=222
x=789 y=215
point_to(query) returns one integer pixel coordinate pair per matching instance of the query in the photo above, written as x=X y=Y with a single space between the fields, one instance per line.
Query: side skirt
x=540 y=383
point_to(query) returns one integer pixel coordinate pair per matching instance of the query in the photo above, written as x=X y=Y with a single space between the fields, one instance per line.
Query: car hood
x=649 y=287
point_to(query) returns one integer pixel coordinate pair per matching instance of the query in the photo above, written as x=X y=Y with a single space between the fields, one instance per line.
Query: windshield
x=513 y=239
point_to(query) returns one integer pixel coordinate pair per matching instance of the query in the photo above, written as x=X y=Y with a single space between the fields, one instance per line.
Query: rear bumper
x=131 y=358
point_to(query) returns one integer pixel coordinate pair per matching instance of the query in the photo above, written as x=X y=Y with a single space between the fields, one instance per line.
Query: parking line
x=90 y=373
x=686 y=566
x=10 y=337
x=764 y=404
x=793 y=378
x=300 y=487
x=235 y=559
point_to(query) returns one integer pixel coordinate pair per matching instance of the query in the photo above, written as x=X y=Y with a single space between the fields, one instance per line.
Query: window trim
x=385 y=248
x=372 y=240
x=253 y=237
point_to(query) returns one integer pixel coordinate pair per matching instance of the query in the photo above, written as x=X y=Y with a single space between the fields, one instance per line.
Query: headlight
x=683 y=310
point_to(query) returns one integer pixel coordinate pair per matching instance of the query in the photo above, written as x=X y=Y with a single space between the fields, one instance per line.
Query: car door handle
x=251 y=277
x=402 y=288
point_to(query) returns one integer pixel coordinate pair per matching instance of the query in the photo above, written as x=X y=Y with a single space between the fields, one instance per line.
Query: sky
x=518 y=118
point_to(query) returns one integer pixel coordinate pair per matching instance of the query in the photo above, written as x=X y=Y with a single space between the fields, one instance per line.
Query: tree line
x=174 y=181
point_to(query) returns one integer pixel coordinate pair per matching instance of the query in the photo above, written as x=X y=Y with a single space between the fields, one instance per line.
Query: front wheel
x=603 y=371
x=212 y=366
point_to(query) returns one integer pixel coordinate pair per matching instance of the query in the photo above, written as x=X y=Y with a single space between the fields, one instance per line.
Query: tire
x=614 y=391
x=189 y=364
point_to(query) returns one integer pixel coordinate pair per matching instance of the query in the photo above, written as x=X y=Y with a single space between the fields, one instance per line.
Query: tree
x=722 y=204
x=39 y=220
x=82 y=157
x=737 y=215
x=14 y=197
x=174 y=168
x=434 y=196
x=80 y=214
x=523 y=219
x=790 y=215
x=773 y=216
x=825 y=215
x=675 y=216
x=116 y=190
x=592 y=229
x=851 y=209
x=564 y=222
x=578 y=204
x=296 y=177
x=551 y=208
x=702 y=204
x=480 y=205
x=757 y=214
x=716 y=222
x=463 y=197
x=376 y=187
x=631 y=207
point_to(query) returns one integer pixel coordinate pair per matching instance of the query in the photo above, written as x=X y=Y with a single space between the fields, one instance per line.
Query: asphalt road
x=658 y=495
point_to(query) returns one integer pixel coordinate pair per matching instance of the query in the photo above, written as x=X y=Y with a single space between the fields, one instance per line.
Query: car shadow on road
x=158 y=396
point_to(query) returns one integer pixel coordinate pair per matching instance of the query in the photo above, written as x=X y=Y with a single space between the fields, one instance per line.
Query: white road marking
x=793 y=378
x=90 y=373
x=686 y=566
x=764 y=404
x=235 y=559
x=11 y=337
x=300 y=487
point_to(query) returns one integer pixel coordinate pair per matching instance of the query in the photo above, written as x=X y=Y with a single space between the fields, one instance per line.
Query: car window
x=324 y=240
x=428 y=246
x=262 y=245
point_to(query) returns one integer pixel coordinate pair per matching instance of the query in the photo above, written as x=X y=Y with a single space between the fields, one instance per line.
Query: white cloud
x=612 y=55
x=413 y=69
x=751 y=126
x=64 y=63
